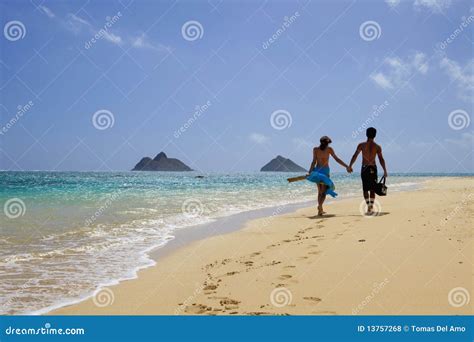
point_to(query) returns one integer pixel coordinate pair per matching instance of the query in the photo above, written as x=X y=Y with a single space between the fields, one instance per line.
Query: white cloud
x=381 y=80
x=392 y=3
x=76 y=23
x=47 y=11
x=419 y=63
x=398 y=72
x=258 y=138
x=463 y=77
x=113 y=38
x=142 y=42
x=436 y=6
x=466 y=141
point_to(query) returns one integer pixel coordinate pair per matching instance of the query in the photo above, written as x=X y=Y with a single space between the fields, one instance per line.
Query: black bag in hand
x=380 y=188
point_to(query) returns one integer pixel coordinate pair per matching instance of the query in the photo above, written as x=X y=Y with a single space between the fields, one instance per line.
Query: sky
x=226 y=86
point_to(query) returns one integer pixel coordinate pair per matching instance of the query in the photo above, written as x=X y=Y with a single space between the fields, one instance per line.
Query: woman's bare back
x=321 y=156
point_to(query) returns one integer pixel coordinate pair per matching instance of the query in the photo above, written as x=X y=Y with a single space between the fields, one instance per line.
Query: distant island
x=280 y=164
x=161 y=163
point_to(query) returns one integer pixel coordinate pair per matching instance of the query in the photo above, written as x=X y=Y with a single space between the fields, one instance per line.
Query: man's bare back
x=368 y=171
x=369 y=151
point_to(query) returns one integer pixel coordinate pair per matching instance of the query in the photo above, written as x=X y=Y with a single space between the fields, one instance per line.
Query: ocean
x=65 y=234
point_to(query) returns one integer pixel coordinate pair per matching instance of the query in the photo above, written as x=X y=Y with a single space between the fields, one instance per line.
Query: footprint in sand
x=197 y=309
x=229 y=304
x=258 y=313
x=210 y=287
x=327 y=312
x=285 y=276
x=361 y=240
x=313 y=299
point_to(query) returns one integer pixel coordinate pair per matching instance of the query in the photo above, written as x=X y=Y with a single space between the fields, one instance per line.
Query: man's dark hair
x=371 y=132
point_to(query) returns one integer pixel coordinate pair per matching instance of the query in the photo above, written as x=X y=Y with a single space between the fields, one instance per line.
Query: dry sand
x=416 y=257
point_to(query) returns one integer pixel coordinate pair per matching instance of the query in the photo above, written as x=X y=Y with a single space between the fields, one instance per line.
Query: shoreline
x=182 y=237
x=167 y=258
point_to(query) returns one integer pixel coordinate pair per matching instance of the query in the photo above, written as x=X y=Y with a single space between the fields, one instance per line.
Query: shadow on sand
x=326 y=216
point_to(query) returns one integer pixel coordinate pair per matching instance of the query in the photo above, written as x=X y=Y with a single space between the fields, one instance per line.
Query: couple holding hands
x=320 y=167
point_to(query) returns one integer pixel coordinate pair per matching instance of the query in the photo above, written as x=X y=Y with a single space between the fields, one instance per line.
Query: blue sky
x=206 y=95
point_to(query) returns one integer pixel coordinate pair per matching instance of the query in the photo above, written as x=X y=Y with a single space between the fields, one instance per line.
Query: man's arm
x=356 y=154
x=313 y=163
x=336 y=158
x=382 y=161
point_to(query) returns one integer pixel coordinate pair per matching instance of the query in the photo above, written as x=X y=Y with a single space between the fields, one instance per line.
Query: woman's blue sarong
x=321 y=175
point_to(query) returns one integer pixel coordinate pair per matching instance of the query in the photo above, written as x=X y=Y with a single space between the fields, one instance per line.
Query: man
x=320 y=164
x=368 y=172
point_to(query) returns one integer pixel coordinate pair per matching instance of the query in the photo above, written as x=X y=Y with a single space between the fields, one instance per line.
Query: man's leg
x=372 y=200
x=367 y=201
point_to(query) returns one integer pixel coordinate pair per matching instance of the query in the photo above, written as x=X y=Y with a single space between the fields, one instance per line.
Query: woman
x=319 y=171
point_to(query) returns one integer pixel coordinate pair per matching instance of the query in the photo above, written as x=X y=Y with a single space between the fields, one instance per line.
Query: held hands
x=349 y=169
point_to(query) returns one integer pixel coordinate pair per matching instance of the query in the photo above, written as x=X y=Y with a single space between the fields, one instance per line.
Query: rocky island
x=281 y=164
x=161 y=163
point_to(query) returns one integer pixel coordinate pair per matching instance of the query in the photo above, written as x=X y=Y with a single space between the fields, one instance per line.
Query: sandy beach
x=414 y=258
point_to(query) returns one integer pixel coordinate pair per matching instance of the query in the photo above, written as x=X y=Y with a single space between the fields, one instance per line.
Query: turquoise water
x=64 y=234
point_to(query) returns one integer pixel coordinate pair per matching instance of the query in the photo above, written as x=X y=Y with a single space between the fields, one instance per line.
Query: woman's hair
x=323 y=144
